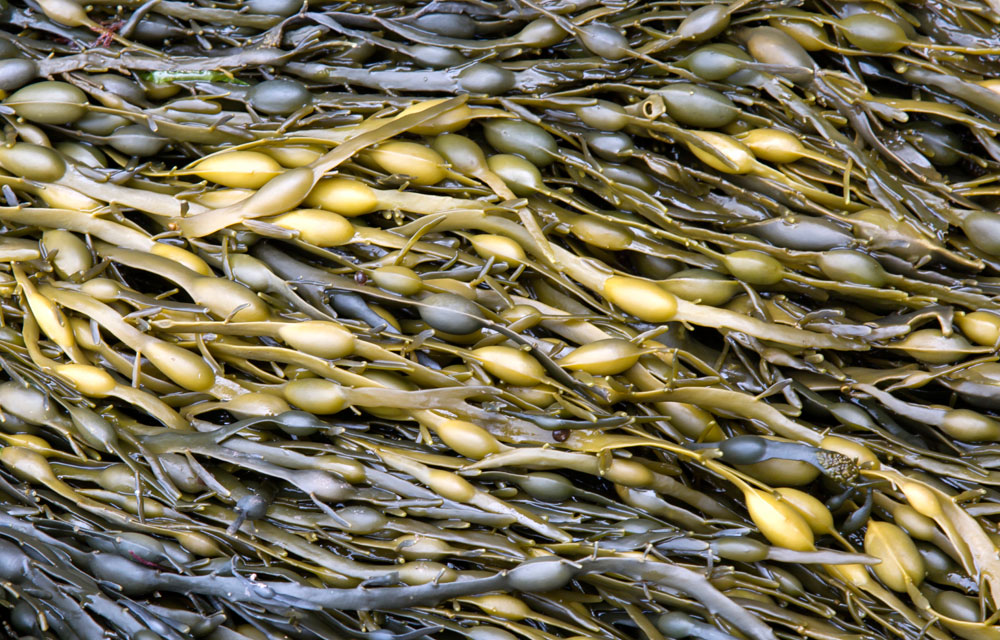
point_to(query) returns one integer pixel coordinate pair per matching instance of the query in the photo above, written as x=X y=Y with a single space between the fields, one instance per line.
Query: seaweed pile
x=500 y=320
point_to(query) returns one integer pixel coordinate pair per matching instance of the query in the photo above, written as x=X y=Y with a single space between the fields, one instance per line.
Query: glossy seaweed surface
x=504 y=320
